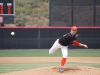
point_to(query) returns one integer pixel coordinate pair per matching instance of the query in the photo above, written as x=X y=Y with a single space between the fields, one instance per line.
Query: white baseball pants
x=56 y=46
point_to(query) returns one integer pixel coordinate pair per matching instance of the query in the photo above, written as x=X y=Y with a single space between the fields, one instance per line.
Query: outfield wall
x=44 y=37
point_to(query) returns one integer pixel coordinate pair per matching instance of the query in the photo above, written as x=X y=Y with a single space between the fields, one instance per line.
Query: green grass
x=20 y=66
x=43 y=53
x=24 y=66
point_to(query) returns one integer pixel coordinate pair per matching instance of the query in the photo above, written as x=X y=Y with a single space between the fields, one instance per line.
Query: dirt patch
x=69 y=70
x=48 y=59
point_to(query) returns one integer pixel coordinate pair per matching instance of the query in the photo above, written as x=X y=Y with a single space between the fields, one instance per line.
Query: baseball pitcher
x=63 y=42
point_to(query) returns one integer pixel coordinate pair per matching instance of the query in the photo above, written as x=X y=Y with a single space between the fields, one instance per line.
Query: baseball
x=12 y=33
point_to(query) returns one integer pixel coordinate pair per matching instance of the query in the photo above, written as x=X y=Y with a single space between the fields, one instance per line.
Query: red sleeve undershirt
x=76 y=43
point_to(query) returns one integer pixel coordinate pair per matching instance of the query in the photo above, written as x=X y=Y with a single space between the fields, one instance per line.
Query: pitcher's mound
x=78 y=70
x=69 y=70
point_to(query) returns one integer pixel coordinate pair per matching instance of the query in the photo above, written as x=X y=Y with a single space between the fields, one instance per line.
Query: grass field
x=8 y=67
x=44 y=53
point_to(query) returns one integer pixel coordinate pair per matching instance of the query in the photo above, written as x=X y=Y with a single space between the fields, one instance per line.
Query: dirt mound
x=69 y=70
x=79 y=70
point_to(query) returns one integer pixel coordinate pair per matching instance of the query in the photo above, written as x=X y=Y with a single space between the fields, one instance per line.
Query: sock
x=63 y=62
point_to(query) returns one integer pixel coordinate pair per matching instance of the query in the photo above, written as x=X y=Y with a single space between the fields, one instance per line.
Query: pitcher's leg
x=64 y=51
x=64 y=57
x=55 y=47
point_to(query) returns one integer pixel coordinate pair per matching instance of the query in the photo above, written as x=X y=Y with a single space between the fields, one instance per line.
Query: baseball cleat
x=61 y=69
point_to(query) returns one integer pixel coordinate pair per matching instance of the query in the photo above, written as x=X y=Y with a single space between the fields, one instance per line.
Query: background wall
x=75 y=12
x=43 y=38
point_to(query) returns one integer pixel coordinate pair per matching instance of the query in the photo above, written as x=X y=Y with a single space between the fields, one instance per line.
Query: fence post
x=38 y=38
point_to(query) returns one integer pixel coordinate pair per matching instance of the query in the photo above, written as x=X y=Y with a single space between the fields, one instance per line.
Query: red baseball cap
x=74 y=28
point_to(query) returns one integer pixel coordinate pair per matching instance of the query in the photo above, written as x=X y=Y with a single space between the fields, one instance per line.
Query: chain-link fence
x=74 y=12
